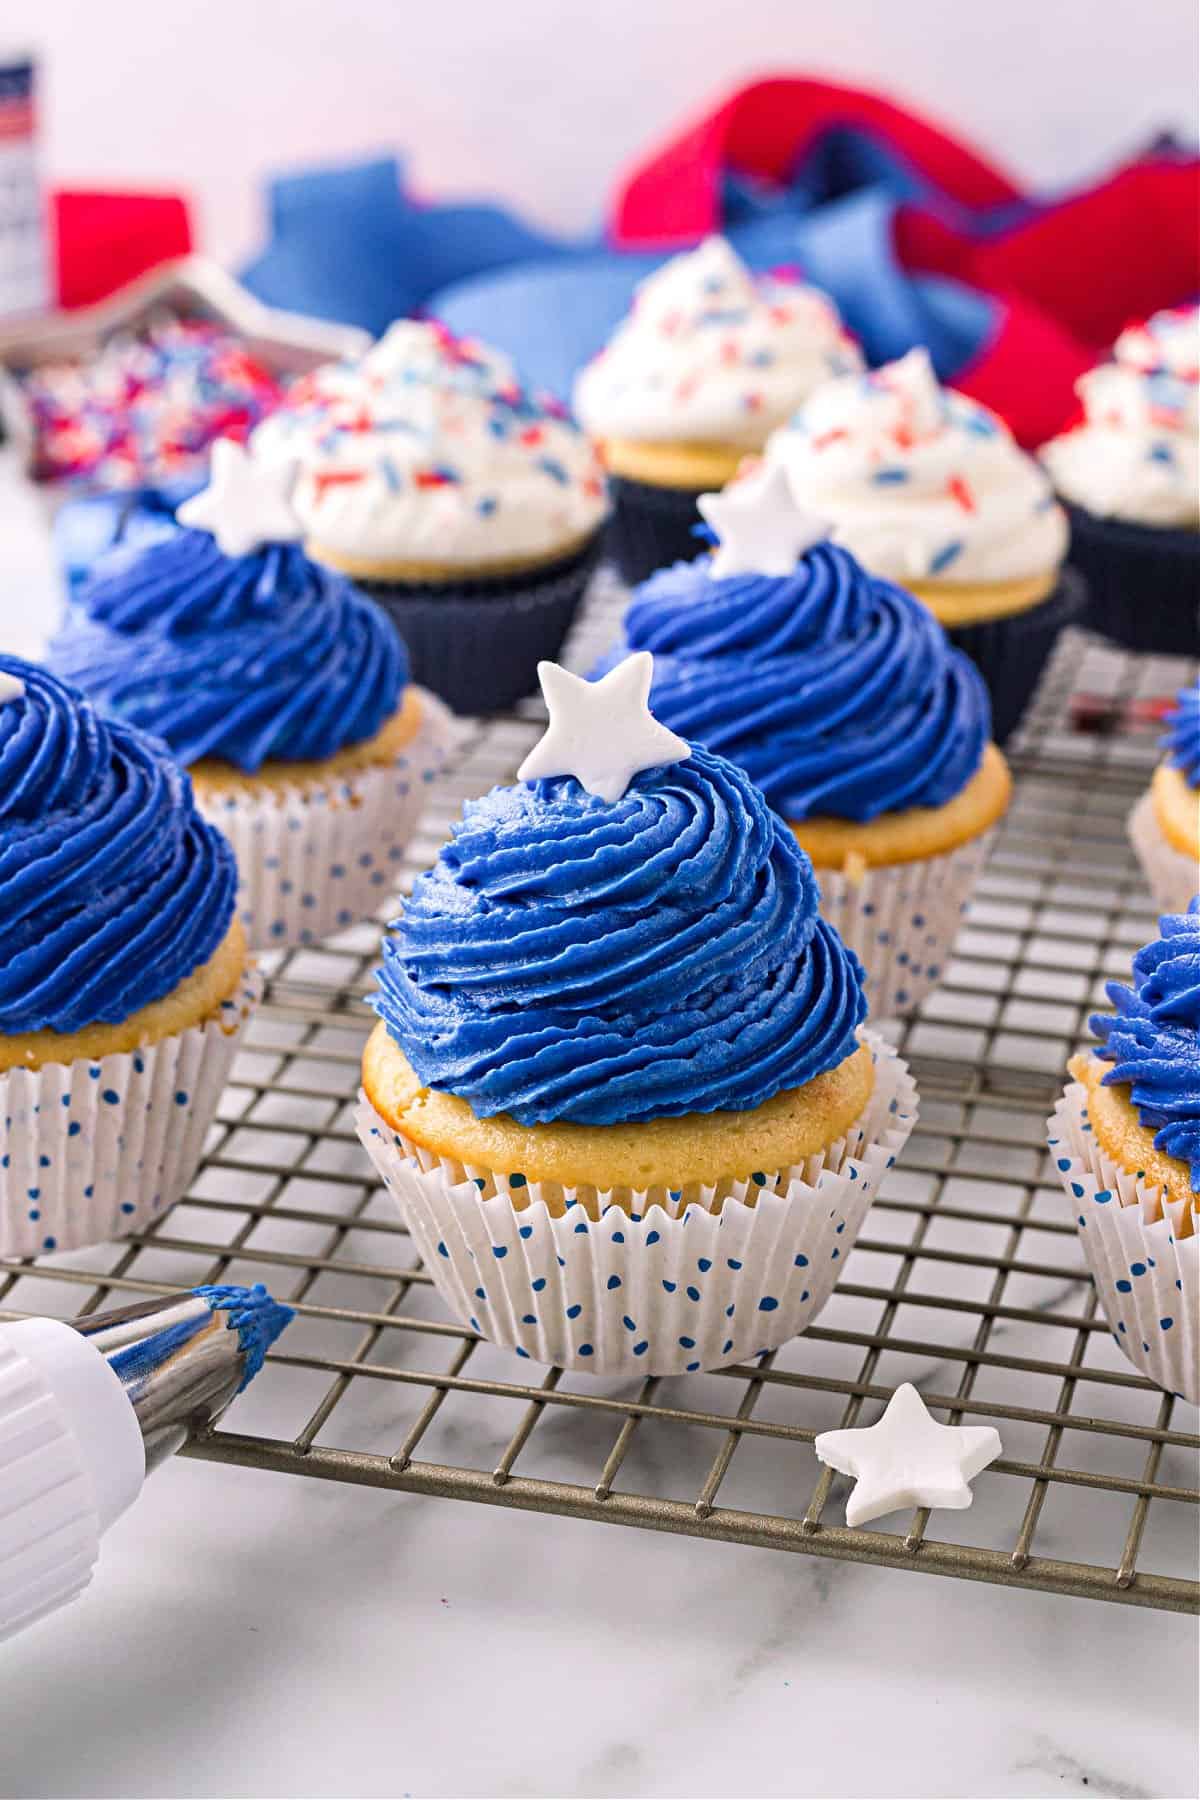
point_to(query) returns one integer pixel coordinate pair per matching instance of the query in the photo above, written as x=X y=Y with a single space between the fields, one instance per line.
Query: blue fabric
x=837 y=692
x=573 y=958
x=247 y=658
x=349 y=244
x=113 y=889
x=1153 y=1042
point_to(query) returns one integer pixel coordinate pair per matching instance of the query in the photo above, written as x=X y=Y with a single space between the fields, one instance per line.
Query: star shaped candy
x=601 y=732
x=907 y=1459
x=11 y=687
x=246 y=503
x=761 y=529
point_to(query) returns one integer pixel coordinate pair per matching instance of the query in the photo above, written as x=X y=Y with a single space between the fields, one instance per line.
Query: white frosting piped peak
x=712 y=354
x=921 y=483
x=429 y=450
x=1133 y=456
x=601 y=732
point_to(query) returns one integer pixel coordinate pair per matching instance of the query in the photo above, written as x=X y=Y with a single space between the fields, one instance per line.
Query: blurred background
x=540 y=103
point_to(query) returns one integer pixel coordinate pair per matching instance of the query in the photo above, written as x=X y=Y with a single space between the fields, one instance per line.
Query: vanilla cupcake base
x=666 y=1282
x=317 y=852
x=1142 y=1249
x=98 y=1147
x=1172 y=877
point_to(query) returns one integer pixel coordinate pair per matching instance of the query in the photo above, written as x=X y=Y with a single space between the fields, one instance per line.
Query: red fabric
x=105 y=240
x=675 y=195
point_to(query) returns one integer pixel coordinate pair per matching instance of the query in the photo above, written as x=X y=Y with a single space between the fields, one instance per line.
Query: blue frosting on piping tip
x=246 y=658
x=1182 y=739
x=256 y=1316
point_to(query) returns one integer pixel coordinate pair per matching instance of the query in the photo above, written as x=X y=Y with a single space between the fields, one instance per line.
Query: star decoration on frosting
x=11 y=687
x=601 y=732
x=907 y=1459
x=246 y=504
x=761 y=529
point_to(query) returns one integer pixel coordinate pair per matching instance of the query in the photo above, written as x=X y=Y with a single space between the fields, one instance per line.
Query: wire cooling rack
x=967 y=1279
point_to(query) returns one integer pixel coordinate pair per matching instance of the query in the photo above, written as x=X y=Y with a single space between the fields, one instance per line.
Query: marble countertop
x=255 y=1635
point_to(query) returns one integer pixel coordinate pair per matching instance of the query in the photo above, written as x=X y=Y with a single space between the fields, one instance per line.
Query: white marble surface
x=255 y=1635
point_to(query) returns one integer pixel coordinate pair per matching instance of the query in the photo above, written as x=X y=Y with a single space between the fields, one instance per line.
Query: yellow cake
x=213 y=778
x=916 y=832
x=1130 y=1144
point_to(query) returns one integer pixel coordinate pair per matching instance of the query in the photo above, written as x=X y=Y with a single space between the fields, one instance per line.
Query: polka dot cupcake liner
x=313 y=860
x=1172 y=877
x=902 y=920
x=667 y=1282
x=92 y=1150
x=1143 y=1251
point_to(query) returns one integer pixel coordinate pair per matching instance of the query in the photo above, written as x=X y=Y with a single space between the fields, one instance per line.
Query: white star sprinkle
x=246 y=503
x=907 y=1459
x=601 y=732
x=11 y=687
x=761 y=529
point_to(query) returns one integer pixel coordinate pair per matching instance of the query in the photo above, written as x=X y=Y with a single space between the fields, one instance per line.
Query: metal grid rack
x=967 y=1279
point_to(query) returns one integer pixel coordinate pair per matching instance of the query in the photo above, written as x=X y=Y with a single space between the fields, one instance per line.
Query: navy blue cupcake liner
x=477 y=644
x=1143 y=581
x=651 y=527
x=1011 y=652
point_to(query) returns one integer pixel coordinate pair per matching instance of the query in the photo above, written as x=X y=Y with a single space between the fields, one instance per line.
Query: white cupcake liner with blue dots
x=93 y=1150
x=315 y=858
x=1147 y=1275
x=682 y=1280
x=1172 y=877
x=901 y=920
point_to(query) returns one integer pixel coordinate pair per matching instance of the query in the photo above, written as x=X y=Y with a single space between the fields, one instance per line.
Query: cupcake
x=1164 y=826
x=839 y=695
x=282 y=690
x=1128 y=472
x=124 y=984
x=710 y=360
x=618 y=1086
x=929 y=489
x=469 y=509
x=1125 y=1138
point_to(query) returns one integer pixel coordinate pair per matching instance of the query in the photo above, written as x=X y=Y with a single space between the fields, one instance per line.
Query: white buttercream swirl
x=921 y=483
x=428 y=450
x=709 y=354
x=1134 y=455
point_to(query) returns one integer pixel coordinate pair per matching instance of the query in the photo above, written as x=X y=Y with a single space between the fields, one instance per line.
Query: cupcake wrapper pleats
x=313 y=860
x=1011 y=652
x=1143 y=582
x=93 y=1150
x=651 y=527
x=901 y=920
x=704 y=1279
x=1147 y=1274
x=1172 y=877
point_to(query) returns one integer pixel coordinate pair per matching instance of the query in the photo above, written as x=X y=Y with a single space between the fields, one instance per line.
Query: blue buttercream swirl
x=245 y=658
x=1182 y=740
x=572 y=958
x=113 y=889
x=1153 y=1042
x=837 y=692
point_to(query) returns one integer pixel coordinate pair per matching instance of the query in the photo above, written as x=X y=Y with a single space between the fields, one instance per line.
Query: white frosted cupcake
x=709 y=361
x=468 y=507
x=929 y=489
x=279 y=686
x=1130 y=476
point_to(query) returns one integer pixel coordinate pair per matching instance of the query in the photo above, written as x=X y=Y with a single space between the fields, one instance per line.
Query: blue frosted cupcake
x=1126 y=1142
x=841 y=698
x=124 y=983
x=610 y=1012
x=1164 y=826
x=281 y=688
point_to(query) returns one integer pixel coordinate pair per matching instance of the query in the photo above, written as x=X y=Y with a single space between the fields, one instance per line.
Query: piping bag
x=89 y=1408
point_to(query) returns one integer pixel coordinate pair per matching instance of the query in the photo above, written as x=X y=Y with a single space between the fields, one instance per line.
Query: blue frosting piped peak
x=606 y=962
x=267 y=656
x=1153 y=1042
x=113 y=889
x=1182 y=740
x=837 y=692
